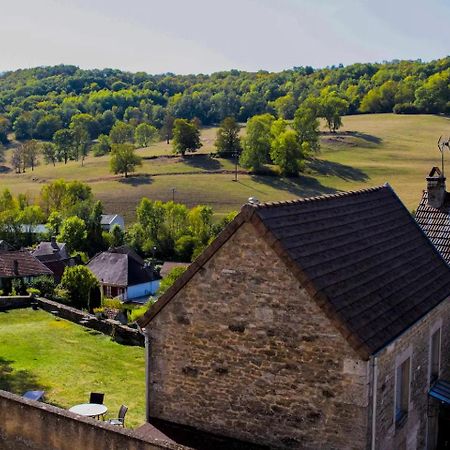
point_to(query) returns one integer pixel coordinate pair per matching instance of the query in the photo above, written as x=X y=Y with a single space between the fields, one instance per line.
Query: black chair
x=121 y=419
x=97 y=397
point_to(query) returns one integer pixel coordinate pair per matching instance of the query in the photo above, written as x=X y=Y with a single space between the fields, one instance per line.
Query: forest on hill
x=35 y=103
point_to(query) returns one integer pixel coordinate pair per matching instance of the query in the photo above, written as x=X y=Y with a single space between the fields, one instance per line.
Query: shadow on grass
x=18 y=381
x=329 y=168
x=5 y=169
x=137 y=180
x=366 y=137
x=92 y=332
x=301 y=186
x=204 y=162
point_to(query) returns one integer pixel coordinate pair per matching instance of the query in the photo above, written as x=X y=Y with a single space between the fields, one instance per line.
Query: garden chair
x=121 y=419
x=34 y=395
x=97 y=397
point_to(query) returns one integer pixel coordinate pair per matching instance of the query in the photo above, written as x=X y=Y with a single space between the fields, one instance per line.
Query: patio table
x=89 y=409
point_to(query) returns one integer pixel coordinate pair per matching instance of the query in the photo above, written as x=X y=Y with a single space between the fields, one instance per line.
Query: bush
x=185 y=246
x=140 y=311
x=112 y=303
x=170 y=279
x=33 y=291
x=45 y=285
x=405 y=108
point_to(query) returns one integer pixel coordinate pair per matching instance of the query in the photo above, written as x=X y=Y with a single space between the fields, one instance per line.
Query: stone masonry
x=229 y=355
x=415 y=341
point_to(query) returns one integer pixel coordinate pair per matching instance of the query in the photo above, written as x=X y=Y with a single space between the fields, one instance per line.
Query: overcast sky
x=192 y=36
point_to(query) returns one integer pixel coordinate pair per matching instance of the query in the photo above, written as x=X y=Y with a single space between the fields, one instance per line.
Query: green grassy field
x=369 y=150
x=68 y=361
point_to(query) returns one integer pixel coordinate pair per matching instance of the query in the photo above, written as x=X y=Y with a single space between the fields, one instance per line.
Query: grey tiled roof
x=435 y=222
x=27 y=265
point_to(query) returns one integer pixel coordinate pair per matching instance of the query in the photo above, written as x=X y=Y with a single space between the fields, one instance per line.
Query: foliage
x=286 y=151
x=121 y=133
x=112 y=303
x=141 y=310
x=186 y=136
x=185 y=247
x=256 y=150
x=124 y=159
x=145 y=134
x=102 y=146
x=44 y=284
x=170 y=278
x=228 y=142
x=117 y=236
x=73 y=233
x=78 y=282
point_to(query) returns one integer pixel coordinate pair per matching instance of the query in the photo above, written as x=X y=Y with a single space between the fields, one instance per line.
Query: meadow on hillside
x=368 y=150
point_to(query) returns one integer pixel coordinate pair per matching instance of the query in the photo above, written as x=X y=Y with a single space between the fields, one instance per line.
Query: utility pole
x=236 y=154
x=173 y=194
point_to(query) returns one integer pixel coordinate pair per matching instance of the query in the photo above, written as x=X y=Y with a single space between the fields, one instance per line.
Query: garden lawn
x=68 y=361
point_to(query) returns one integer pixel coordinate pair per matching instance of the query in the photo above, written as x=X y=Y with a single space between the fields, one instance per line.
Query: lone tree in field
x=186 y=136
x=145 y=134
x=228 y=141
x=124 y=159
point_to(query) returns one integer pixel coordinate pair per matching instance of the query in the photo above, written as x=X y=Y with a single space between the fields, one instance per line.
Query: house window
x=435 y=360
x=402 y=388
x=108 y=291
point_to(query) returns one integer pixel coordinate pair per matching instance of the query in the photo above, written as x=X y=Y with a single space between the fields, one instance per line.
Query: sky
x=204 y=36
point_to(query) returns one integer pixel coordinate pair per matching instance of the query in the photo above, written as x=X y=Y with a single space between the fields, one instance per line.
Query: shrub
x=141 y=310
x=112 y=303
x=170 y=279
x=45 y=285
x=405 y=108
x=33 y=291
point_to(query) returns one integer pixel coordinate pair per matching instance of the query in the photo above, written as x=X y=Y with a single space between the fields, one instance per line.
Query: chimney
x=436 y=188
x=53 y=242
x=16 y=267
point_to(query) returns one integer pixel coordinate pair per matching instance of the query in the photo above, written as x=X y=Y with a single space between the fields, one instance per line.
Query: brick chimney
x=16 y=267
x=436 y=188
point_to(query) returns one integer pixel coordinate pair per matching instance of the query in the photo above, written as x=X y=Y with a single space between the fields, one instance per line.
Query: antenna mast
x=442 y=143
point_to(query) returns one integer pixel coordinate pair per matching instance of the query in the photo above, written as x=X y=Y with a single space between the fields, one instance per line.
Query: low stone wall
x=14 y=302
x=120 y=333
x=30 y=425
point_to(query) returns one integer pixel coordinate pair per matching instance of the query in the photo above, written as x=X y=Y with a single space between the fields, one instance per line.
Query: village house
x=433 y=212
x=55 y=256
x=319 y=323
x=122 y=273
x=109 y=220
x=19 y=265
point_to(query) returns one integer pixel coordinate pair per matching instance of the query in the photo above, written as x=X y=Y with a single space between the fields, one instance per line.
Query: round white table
x=89 y=409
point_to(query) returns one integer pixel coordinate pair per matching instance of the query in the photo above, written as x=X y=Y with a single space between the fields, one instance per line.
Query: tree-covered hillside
x=35 y=103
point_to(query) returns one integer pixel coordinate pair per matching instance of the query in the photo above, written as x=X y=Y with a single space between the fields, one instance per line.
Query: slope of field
x=369 y=150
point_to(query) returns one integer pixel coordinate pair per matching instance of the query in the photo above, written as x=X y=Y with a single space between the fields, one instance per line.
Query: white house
x=109 y=220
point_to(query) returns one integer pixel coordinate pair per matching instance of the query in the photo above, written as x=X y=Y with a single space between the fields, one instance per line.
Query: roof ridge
x=319 y=197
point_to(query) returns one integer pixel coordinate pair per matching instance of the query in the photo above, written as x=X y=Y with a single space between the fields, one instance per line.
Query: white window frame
x=399 y=360
x=437 y=326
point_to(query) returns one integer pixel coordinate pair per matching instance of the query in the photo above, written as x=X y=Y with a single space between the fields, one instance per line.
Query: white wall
x=139 y=290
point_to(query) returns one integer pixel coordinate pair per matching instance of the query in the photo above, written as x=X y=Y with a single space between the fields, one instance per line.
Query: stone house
x=122 y=273
x=19 y=265
x=55 y=256
x=319 y=323
x=433 y=212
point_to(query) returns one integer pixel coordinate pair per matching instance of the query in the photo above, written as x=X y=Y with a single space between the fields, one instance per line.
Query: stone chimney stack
x=16 y=267
x=436 y=188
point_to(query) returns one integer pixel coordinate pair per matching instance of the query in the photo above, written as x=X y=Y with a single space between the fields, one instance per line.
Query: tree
x=186 y=136
x=227 y=140
x=167 y=128
x=31 y=150
x=17 y=159
x=47 y=126
x=150 y=215
x=79 y=282
x=286 y=152
x=73 y=233
x=64 y=141
x=49 y=153
x=117 y=236
x=333 y=107
x=124 y=159
x=256 y=150
x=103 y=145
x=170 y=278
x=121 y=133
x=81 y=140
x=5 y=125
x=54 y=223
x=145 y=134
x=306 y=125
x=285 y=106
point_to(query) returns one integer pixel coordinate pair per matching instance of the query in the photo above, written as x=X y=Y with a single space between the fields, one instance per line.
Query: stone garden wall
x=30 y=425
x=121 y=333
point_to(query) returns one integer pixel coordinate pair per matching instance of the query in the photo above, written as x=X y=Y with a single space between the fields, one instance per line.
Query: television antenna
x=442 y=143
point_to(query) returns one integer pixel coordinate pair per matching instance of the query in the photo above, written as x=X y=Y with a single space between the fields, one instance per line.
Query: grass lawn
x=68 y=361
x=369 y=150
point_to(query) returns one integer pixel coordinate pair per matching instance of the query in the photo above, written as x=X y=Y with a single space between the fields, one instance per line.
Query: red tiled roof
x=435 y=222
x=361 y=256
x=27 y=265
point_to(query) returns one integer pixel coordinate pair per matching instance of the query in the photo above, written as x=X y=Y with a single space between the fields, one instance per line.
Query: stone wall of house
x=244 y=352
x=29 y=425
x=415 y=342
